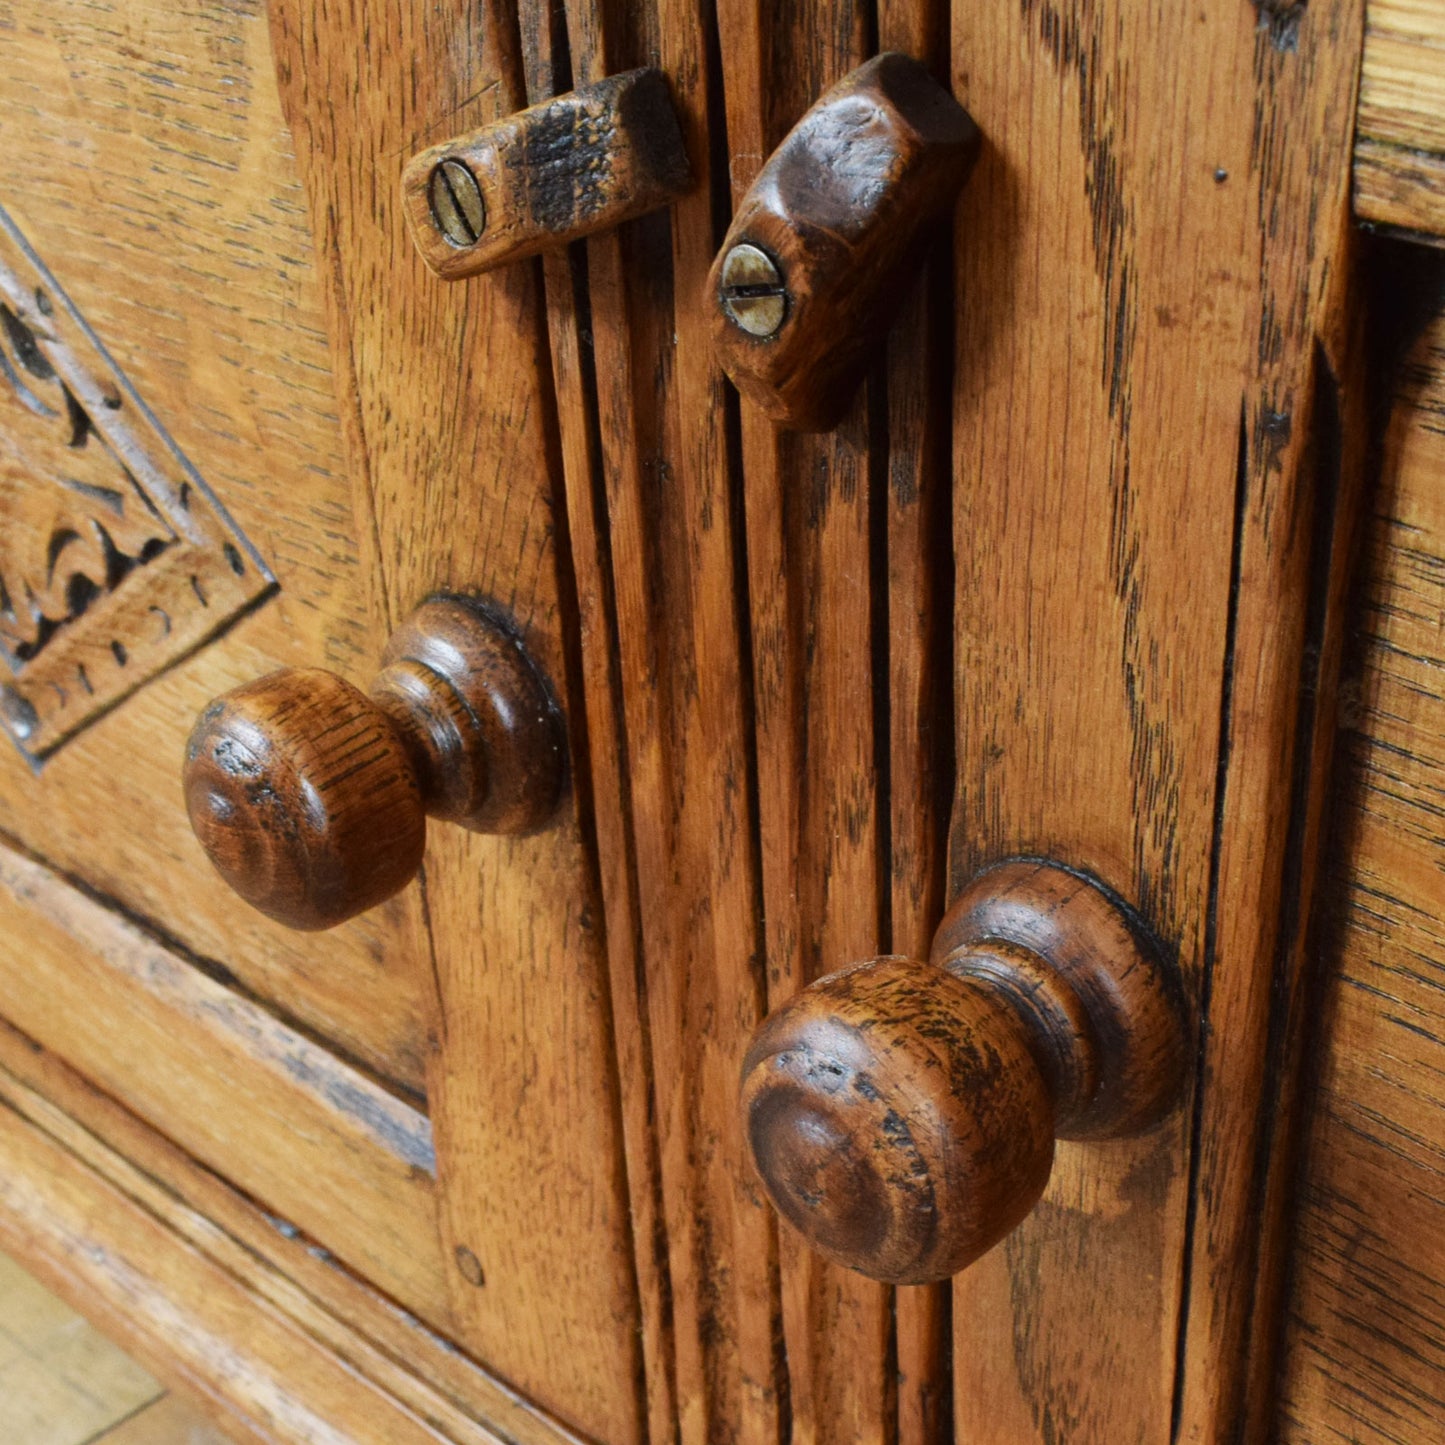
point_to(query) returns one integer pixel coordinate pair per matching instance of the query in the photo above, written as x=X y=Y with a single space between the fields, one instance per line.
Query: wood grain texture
x=294 y=1126
x=1363 y=1359
x=368 y=1332
x=920 y=681
x=162 y=124
x=1144 y=277
x=1400 y=126
x=179 y=1313
x=311 y=797
x=811 y=508
x=567 y=167
x=840 y=213
x=445 y=395
x=658 y=550
x=902 y=1115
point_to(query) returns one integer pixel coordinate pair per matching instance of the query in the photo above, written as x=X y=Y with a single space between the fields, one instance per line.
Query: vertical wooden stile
x=657 y=497
x=1144 y=269
x=446 y=393
x=919 y=688
x=811 y=560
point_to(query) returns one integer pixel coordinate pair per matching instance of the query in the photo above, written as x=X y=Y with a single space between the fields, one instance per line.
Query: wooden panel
x=447 y=408
x=258 y=1374
x=367 y=1331
x=1400 y=134
x=160 y=122
x=1366 y=1360
x=1149 y=258
x=310 y=1137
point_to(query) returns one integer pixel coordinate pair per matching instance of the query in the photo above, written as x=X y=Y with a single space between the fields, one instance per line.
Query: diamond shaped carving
x=115 y=559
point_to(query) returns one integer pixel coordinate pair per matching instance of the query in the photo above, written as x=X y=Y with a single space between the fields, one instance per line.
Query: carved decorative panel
x=115 y=560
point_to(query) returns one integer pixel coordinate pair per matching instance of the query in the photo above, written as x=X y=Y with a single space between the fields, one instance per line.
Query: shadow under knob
x=310 y=797
x=902 y=1115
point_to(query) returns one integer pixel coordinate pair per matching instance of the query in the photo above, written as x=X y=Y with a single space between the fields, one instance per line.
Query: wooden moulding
x=233 y=1307
x=350 y=1163
x=567 y=168
x=1399 y=170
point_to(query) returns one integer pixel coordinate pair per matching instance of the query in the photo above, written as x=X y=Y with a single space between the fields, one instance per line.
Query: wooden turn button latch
x=830 y=234
x=311 y=797
x=569 y=167
x=902 y=1115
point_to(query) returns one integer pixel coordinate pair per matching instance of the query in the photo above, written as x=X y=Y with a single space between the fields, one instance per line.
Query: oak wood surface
x=1363 y=1359
x=1146 y=273
x=444 y=393
x=564 y=168
x=282 y=1117
x=161 y=124
x=1400 y=126
x=274 y=1259
x=178 y=1313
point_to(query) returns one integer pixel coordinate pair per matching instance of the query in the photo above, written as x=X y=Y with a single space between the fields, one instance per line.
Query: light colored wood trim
x=1400 y=126
x=365 y=1330
x=259 y=1375
x=313 y=1139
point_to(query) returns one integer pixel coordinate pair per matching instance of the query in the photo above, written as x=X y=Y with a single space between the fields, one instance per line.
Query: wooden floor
x=63 y=1383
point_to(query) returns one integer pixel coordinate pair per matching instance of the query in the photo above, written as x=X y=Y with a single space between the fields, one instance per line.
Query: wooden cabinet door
x=428 y=1092
x=1067 y=580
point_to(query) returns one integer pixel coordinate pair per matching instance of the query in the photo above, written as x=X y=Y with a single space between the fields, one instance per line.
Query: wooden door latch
x=567 y=168
x=829 y=236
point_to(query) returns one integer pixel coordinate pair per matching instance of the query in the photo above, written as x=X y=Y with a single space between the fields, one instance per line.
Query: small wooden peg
x=571 y=166
x=830 y=235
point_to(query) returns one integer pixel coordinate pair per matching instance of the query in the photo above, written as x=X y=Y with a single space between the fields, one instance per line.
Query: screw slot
x=753 y=295
x=457 y=207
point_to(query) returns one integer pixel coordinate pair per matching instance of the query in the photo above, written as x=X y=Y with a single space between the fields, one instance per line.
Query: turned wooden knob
x=311 y=797
x=902 y=1115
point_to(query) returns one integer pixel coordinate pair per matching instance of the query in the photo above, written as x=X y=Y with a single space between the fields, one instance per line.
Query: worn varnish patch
x=115 y=560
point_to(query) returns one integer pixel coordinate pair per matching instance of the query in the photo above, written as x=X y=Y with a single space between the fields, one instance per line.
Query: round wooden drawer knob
x=311 y=797
x=902 y=1115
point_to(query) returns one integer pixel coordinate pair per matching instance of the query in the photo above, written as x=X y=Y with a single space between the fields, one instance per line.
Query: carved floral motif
x=114 y=561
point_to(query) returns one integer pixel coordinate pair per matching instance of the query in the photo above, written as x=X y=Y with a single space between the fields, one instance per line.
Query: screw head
x=752 y=292
x=457 y=206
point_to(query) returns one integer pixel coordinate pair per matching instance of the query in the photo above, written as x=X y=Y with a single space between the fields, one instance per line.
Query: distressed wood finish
x=201 y=199
x=651 y=502
x=311 y=798
x=902 y=1115
x=840 y=214
x=1400 y=126
x=568 y=167
x=445 y=402
x=811 y=505
x=1364 y=1360
x=274 y=1259
x=315 y=1140
x=180 y=1312
x=1147 y=278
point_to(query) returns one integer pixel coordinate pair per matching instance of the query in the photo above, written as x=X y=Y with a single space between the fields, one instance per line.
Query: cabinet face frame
x=1130 y=378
